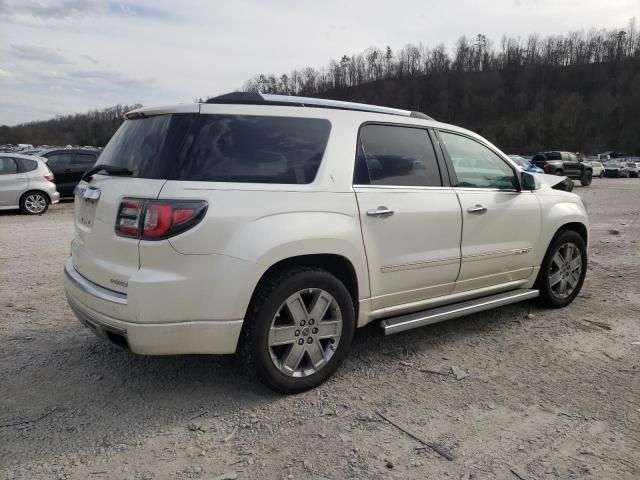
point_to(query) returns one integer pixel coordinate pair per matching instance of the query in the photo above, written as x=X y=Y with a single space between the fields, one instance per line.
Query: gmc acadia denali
x=274 y=226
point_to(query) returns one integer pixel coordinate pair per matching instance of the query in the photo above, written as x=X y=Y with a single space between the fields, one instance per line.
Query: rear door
x=59 y=162
x=411 y=222
x=12 y=183
x=500 y=224
x=80 y=163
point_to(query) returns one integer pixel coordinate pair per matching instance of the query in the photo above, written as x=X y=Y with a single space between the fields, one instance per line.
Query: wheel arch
x=338 y=265
x=35 y=190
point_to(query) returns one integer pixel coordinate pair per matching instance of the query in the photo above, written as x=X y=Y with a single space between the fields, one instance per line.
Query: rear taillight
x=49 y=177
x=545 y=167
x=157 y=219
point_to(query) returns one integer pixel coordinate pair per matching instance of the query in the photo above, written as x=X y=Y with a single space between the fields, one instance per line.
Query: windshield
x=220 y=148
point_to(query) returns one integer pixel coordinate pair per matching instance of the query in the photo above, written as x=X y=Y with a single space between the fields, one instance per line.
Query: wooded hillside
x=579 y=91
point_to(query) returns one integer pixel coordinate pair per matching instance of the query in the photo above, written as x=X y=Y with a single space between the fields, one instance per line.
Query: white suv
x=274 y=226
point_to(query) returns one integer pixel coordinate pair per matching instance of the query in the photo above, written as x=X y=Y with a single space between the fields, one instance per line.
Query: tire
x=552 y=278
x=305 y=355
x=602 y=174
x=34 y=203
x=558 y=172
x=585 y=178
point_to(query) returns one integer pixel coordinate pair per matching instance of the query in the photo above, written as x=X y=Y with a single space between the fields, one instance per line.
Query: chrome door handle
x=477 y=210
x=380 y=212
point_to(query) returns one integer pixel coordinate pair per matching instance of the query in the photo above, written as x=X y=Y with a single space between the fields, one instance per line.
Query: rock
x=389 y=464
x=328 y=411
x=344 y=437
x=613 y=231
x=307 y=464
x=531 y=315
x=226 y=476
x=459 y=373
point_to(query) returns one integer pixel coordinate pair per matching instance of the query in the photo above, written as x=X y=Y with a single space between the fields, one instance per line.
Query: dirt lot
x=538 y=394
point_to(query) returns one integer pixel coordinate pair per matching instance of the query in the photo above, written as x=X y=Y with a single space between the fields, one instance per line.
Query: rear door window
x=396 y=155
x=220 y=148
x=8 y=166
x=59 y=162
x=83 y=161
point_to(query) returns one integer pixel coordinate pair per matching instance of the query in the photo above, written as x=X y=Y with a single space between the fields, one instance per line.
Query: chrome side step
x=440 y=314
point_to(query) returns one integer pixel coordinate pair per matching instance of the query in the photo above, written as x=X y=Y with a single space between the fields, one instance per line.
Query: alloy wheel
x=566 y=269
x=305 y=332
x=35 y=203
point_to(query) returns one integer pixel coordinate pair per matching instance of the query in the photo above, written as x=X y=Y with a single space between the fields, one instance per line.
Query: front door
x=411 y=224
x=500 y=223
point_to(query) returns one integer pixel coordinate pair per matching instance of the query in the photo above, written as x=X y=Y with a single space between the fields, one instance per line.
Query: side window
x=394 y=155
x=477 y=166
x=83 y=161
x=8 y=166
x=26 y=165
x=59 y=162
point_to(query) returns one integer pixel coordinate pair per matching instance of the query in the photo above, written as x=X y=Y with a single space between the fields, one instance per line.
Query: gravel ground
x=519 y=392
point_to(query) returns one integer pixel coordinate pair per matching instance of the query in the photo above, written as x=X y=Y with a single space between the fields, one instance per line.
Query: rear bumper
x=170 y=338
x=55 y=197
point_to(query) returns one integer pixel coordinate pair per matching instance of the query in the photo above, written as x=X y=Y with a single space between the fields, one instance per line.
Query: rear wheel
x=34 y=203
x=563 y=270
x=585 y=178
x=298 y=329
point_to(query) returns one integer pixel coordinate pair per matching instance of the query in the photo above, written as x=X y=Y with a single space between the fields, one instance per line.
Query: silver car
x=26 y=183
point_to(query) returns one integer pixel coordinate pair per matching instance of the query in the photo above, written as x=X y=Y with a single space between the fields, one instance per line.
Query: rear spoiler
x=145 y=112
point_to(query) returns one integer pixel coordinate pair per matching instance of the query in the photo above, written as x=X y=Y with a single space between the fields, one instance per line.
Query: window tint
x=553 y=156
x=83 y=161
x=476 y=165
x=220 y=148
x=59 y=162
x=394 y=155
x=8 y=166
x=27 y=165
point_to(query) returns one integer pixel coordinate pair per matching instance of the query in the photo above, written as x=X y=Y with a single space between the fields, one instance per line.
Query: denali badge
x=120 y=283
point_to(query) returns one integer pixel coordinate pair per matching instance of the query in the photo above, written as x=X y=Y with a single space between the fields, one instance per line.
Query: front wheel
x=585 y=178
x=298 y=329
x=563 y=270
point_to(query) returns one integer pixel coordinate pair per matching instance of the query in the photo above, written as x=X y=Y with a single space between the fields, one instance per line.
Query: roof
x=247 y=98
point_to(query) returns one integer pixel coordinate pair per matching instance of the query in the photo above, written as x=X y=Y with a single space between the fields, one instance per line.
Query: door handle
x=21 y=178
x=477 y=210
x=380 y=212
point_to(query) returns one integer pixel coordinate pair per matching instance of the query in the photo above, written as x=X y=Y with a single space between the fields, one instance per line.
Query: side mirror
x=528 y=181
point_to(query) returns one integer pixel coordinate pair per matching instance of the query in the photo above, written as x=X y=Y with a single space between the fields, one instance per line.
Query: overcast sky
x=67 y=56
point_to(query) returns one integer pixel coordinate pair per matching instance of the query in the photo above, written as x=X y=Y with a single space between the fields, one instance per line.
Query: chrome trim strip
x=422 y=264
x=427 y=317
x=91 y=288
x=496 y=254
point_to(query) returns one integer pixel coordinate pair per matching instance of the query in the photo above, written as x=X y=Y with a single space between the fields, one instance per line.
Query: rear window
x=220 y=148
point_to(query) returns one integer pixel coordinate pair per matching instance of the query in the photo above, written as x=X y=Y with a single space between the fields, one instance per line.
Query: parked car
x=525 y=164
x=632 y=167
x=564 y=163
x=598 y=168
x=68 y=165
x=26 y=183
x=259 y=236
x=616 y=169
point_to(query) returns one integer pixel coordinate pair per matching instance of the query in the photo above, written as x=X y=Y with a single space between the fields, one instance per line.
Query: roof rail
x=249 y=98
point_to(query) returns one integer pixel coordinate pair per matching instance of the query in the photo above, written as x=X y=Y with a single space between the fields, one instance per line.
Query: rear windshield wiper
x=110 y=169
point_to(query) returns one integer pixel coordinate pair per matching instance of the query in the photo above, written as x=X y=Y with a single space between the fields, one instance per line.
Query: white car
x=26 y=183
x=274 y=226
x=598 y=168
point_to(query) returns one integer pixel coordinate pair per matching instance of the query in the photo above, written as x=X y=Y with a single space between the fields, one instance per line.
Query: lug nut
x=315 y=330
x=309 y=340
x=302 y=323
x=297 y=333
x=301 y=341
x=311 y=321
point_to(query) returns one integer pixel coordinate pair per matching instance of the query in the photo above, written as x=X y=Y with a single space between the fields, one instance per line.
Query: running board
x=440 y=314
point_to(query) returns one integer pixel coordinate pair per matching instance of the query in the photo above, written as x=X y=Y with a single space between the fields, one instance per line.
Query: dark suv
x=68 y=165
x=564 y=163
